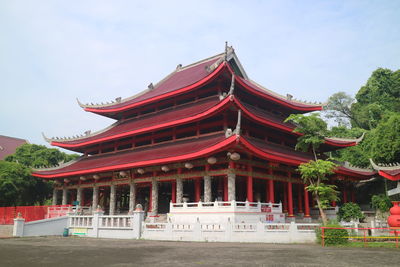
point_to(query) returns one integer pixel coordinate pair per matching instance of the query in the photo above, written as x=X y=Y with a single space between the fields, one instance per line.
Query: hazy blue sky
x=54 y=51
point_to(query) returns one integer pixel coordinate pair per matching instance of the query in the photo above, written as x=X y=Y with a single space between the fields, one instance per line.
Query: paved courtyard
x=71 y=251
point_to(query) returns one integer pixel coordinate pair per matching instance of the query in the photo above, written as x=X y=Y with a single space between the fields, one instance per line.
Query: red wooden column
x=306 y=203
x=353 y=195
x=225 y=188
x=285 y=197
x=290 y=199
x=197 y=190
x=344 y=192
x=299 y=198
x=173 y=191
x=250 y=185
x=150 y=198
x=271 y=194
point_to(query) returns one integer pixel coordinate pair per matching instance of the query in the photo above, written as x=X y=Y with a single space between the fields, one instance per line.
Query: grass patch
x=369 y=245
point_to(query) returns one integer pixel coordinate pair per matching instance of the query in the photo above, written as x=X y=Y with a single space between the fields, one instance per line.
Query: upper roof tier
x=183 y=114
x=193 y=76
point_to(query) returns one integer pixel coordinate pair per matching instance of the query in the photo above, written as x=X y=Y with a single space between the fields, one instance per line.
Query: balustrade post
x=96 y=222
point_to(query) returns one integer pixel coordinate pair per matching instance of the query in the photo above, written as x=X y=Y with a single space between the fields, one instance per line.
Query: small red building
x=205 y=132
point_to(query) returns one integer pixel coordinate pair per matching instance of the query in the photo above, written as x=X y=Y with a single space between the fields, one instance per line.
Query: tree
x=17 y=186
x=339 y=109
x=313 y=130
x=37 y=156
x=378 y=96
x=315 y=172
x=381 y=203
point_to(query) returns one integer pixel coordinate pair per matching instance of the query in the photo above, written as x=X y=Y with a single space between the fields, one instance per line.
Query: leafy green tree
x=339 y=109
x=378 y=96
x=37 y=156
x=313 y=130
x=350 y=211
x=315 y=172
x=17 y=186
x=381 y=203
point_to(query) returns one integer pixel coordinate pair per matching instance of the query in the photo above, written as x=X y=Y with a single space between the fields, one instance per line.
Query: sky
x=52 y=52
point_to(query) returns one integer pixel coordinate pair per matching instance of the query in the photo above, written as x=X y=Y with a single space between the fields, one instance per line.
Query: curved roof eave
x=226 y=143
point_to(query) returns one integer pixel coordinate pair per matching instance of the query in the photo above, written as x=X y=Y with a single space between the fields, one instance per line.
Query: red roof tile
x=8 y=145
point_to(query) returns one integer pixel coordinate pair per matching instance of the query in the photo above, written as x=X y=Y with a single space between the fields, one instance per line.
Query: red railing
x=364 y=235
x=32 y=213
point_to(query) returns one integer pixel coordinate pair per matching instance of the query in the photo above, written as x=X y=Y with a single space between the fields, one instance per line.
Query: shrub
x=333 y=236
x=381 y=203
x=350 y=211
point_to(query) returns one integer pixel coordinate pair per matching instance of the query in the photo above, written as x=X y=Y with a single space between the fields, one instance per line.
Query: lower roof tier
x=185 y=150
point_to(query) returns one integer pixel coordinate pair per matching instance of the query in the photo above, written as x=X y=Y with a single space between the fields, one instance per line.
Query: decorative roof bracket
x=232 y=85
x=239 y=122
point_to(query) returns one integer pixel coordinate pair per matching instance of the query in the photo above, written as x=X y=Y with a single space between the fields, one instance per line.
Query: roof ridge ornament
x=348 y=165
x=226 y=50
x=384 y=167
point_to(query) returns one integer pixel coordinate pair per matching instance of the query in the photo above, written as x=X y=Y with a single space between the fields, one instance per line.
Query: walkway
x=58 y=251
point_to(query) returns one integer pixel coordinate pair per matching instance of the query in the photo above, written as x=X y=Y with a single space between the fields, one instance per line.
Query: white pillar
x=231 y=186
x=132 y=196
x=64 y=196
x=55 y=196
x=207 y=188
x=79 y=196
x=154 y=196
x=95 y=198
x=179 y=190
x=112 y=200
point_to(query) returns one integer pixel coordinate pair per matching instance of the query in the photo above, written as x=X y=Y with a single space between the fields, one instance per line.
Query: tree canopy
x=375 y=111
x=17 y=186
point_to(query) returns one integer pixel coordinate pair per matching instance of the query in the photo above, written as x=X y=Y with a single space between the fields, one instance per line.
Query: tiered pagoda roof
x=230 y=94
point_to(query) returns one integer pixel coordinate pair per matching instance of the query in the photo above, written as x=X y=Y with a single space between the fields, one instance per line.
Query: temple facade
x=204 y=133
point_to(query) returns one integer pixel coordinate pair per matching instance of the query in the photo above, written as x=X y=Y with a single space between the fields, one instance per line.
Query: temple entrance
x=217 y=188
x=164 y=197
x=143 y=196
x=122 y=199
x=188 y=191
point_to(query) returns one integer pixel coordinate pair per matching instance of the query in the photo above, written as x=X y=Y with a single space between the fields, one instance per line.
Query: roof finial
x=226 y=50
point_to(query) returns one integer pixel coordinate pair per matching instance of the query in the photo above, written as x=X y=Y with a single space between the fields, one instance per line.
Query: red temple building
x=206 y=132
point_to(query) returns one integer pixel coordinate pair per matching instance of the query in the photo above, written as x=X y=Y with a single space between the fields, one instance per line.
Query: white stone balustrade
x=224 y=206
